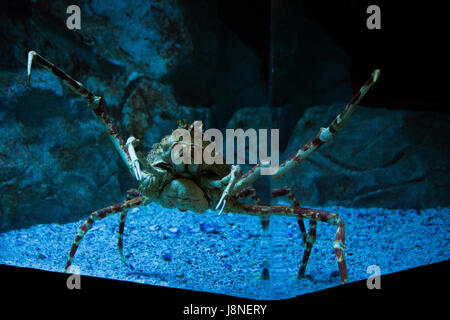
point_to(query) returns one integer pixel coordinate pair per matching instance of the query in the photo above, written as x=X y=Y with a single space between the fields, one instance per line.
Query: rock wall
x=149 y=59
x=381 y=158
x=56 y=163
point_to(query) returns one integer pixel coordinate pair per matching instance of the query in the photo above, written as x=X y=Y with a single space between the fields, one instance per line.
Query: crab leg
x=308 y=238
x=123 y=217
x=132 y=193
x=251 y=192
x=311 y=238
x=324 y=135
x=314 y=215
x=327 y=134
x=286 y=191
x=98 y=215
x=96 y=103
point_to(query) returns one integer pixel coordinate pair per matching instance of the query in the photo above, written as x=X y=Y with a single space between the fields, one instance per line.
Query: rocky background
x=159 y=61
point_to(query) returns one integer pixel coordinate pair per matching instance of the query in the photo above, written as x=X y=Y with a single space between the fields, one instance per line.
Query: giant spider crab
x=199 y=187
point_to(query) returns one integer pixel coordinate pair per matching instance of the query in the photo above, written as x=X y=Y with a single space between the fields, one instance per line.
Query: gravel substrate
x=224 y=253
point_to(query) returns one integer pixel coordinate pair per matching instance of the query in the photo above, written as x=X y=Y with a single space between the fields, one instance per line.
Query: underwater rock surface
x=223 y=254
x=180 y=43
x=56 y=162
x=183 y=44
x=151 y=124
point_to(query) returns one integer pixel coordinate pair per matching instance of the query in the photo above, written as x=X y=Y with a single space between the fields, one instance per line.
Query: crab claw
x=222 y=198
x=376 y=74
x=223 y=206
x=234 y=175
x=134 y=160
x=31 y=56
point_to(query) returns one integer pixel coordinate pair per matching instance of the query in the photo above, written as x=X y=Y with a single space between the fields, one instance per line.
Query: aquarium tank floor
x=224 y=253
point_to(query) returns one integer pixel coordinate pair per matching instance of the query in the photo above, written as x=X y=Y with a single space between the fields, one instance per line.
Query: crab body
x=199 y=187
x=181 y=186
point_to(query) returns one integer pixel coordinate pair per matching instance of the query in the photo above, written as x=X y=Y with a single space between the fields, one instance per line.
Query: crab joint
x=134 y=160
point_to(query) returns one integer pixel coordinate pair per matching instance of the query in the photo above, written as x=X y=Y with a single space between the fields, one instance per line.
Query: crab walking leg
x=311 y=238
x=132 y=193
x=98 y=215
x=248 y=178
x=97 y=104
x=313 y=214
x=251 y=192
x=324 y=135
x=123 y=217
x=327 y=134
x=308 y=238
x=286 y=191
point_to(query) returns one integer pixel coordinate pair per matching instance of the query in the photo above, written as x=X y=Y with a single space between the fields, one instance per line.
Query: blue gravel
x=224 y=253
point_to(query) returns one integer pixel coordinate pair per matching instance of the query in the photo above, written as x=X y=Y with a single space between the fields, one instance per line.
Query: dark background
x=410 y=47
